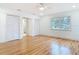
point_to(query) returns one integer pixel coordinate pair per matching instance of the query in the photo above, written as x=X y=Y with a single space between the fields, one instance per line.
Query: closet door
x=12 y=27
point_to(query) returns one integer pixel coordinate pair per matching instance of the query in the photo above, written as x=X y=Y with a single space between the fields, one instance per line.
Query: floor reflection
x=57 y=49
x=49 y=46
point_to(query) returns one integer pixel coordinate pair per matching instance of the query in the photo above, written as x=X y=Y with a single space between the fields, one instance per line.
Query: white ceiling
x=34 y=7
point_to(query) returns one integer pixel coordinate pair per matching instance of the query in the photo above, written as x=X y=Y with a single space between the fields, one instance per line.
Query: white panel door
x=12 y=27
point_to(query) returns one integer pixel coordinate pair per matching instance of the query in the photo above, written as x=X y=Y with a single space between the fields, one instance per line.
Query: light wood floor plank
x=39 y=45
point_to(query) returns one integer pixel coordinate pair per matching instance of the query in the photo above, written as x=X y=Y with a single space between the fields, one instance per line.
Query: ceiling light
x=74 y=6
x=41 y=8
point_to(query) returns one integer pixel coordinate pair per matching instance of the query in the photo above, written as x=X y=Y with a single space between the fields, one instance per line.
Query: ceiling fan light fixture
x=41 y=8
x=74 y=6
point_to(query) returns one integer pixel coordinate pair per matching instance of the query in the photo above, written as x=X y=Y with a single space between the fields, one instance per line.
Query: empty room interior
x=39 y=28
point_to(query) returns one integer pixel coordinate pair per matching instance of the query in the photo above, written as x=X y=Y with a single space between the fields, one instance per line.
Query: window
x=61 y=23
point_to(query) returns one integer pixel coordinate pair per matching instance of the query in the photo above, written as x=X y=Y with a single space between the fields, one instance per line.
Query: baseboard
x=9 y=40
x=56 y=37
x=51 y=37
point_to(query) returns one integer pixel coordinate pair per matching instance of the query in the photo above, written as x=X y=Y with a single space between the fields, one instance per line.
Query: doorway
x=12 y=27
x=25 y=26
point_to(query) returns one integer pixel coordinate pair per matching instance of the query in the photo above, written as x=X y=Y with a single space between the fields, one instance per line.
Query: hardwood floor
x=39 y=45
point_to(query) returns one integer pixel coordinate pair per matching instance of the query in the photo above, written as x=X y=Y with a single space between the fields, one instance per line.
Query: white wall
x=3 y=14
x=2 y=25
x=73 y=34
x=35 y=27
x=12 y=27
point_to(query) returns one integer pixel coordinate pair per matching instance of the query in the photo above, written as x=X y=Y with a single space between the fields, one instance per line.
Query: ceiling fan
x=42 y=7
